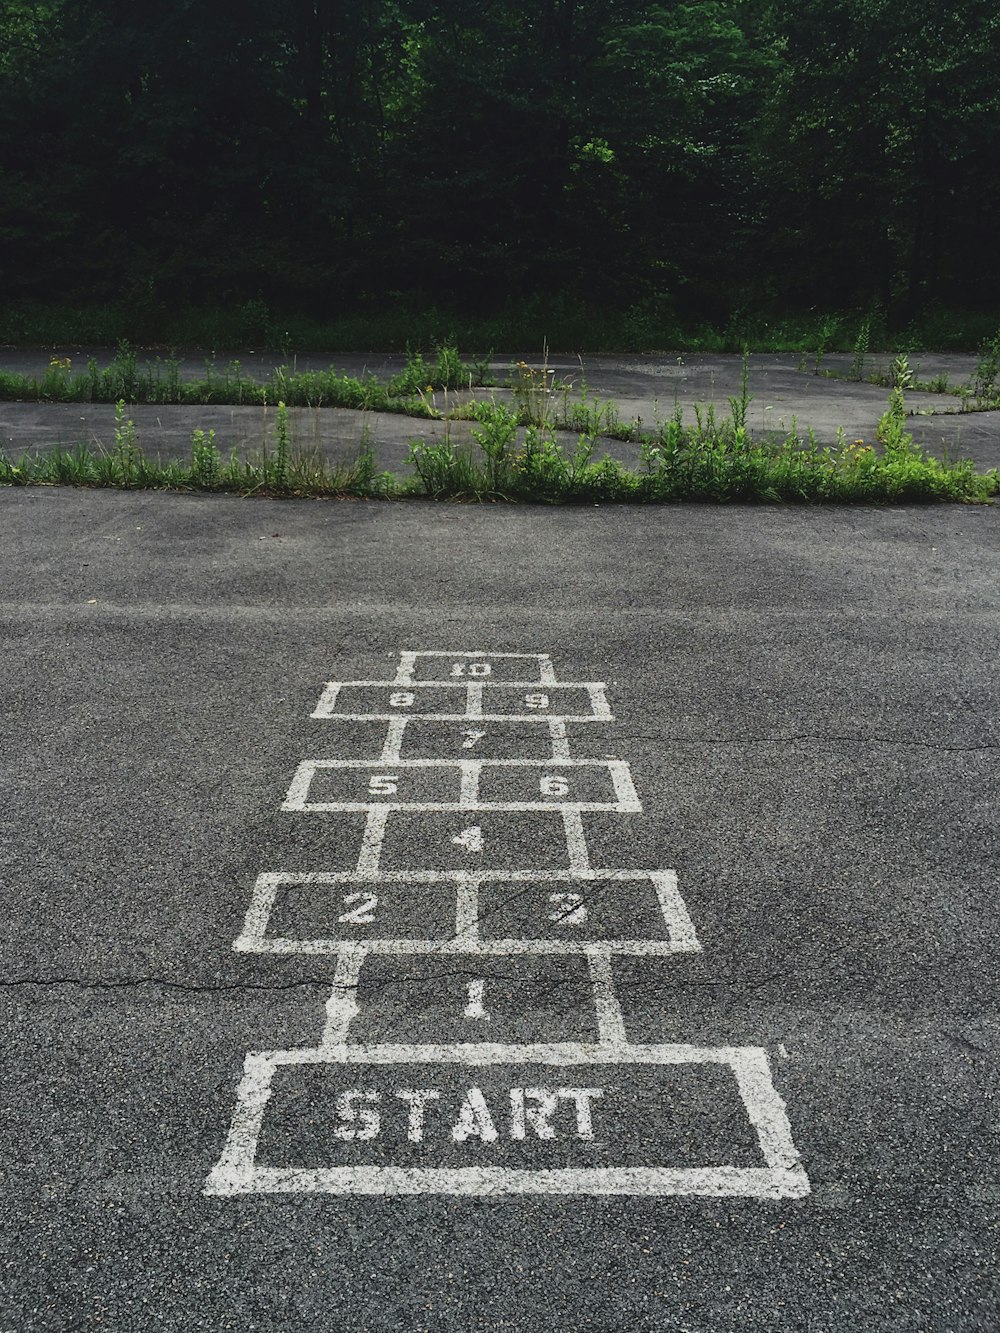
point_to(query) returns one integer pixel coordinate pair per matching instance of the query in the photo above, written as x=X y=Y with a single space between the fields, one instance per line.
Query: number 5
x=384 y=785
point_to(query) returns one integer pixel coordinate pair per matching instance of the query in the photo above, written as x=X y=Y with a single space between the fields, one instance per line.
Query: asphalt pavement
x=448 y=917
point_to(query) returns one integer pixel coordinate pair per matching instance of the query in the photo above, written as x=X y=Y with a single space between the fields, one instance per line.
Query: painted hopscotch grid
x=469 y=678
x=462 y=934
x=468 y=775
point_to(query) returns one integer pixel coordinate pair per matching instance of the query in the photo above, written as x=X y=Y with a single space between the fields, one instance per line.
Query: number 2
x=361 y=915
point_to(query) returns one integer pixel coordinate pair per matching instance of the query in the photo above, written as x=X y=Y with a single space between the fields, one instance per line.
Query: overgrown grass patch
x=710 y=462
x=159 y=382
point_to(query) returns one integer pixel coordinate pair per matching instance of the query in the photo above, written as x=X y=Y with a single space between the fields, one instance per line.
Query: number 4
x=470 y=838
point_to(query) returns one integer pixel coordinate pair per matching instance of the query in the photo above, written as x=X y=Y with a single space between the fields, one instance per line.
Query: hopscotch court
x=577 y=1106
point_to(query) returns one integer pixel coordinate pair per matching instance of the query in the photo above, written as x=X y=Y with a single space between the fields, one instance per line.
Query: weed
x=984 y=379
x=127 y=454
x=860 y=350
x=740 y=406
x=276 y=477
x=206 y=461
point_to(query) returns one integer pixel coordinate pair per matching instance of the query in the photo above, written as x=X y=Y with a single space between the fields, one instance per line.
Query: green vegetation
x=160 y=382
x=509 y=460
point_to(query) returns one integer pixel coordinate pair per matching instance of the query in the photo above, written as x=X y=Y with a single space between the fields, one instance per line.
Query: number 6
x=553 y=786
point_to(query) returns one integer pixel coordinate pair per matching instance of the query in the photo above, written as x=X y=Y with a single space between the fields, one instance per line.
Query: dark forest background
x=685 y=162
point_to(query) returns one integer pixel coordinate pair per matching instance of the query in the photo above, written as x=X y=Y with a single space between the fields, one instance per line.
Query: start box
x=482 y=1119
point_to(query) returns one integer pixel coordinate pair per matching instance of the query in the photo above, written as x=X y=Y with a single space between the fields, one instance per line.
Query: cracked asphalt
x=808 y=703
x=784 y=397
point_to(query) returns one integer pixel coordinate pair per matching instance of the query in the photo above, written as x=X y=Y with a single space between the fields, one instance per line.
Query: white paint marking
x=781 y=1050
x=474 y=1008
x=568 y=909
x=327 y=700
x=576 y=842
x=342 y=1006
x=610 y=1022
x=625 y=792
x=782 y=1178
x=560 y=742
x=474 y=700
x=471 y=737
x=467 y=910
x=765 y=1108
x=469 y=798
x=416 y=1100
x=371 y=845
x=262 y=900
x=675 y=913
x=298 y=790
x=470 y=943
x=470 y=838
x=361 y=909
x=474 y=1119
x=393 y=739
x=404 y=673
x=598 y=700
x=546 y=672
x=464 y=717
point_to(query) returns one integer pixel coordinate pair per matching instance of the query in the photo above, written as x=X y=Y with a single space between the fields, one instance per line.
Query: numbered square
x=571 y=911
x=474 y=841
x=447 y=999
x=331 y=912
x=470 y=739
x=462 y=667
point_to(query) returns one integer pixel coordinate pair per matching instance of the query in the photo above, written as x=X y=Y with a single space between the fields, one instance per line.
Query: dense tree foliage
x=688 y=155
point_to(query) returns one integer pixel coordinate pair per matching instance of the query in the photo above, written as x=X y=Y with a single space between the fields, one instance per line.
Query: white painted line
x=371 y=846
x=437 y=876
x=393 y=740
x=469 y=797
x=576 y=842
x=612 y=765
x=466 y=912
x=610 y=1022
x=474 y=1009
x=467 y=943
x=404 y=673
x=560 y=743
x=595 y=688
x=474 y=699
x=235 y=1173
x=262 y=899
x=327 y=700
x=546 y=671
x=782 y=1178
x=484 y=656
x=342 y=1005
x=765 y=1107
x=675 y=912
x=598 y=699
x=621 y=776
x=451 y=807
x=298 y=790
x=464 y=717
x=718 y=1182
